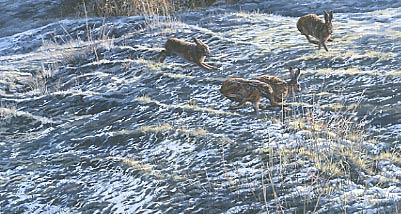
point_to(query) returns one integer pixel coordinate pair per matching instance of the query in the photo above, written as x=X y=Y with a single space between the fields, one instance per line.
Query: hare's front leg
x=201 y=62
x=324 y=45
x=274 y=103
x=162 y=56
x=256 y=107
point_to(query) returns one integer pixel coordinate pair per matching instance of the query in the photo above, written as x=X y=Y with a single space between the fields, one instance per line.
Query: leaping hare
x=195 y=53
x=312 y=25
x=281 y=88
x=271 y=87
x=243 y=91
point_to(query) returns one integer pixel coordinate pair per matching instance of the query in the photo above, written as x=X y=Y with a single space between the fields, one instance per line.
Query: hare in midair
x=282 y=89
x=273 y=88
x=195 y=53
x=312 y=25
x=243 y=91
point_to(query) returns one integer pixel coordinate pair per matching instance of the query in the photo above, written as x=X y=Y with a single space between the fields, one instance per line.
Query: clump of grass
x=336 y=146
x=106 y=8
x=163 y=128
x=335 y=143
x=130 y=7
x=146 y=168
x=7 y=111
x=160 y=128
x=190 y=107
x=39 y=82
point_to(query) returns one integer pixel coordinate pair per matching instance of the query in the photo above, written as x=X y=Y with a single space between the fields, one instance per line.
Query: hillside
x=90 y=123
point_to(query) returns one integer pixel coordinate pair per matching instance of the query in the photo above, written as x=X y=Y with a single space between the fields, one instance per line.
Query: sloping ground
x=91 y=123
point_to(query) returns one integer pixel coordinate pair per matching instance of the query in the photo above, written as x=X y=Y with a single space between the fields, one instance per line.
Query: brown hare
x=243 y=91
x=281 y=88
x=312 y=25
x=195 y=53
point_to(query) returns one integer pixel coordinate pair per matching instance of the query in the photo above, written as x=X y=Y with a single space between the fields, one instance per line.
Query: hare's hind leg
x=311 y=41
x=256 y=107
x=204 y=66
x=241 y=104
x=207 y=66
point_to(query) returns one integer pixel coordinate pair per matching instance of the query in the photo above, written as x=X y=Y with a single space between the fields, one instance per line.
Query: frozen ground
x=89 y=123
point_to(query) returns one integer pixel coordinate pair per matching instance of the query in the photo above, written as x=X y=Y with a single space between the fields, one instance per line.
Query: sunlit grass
x=177 y=76
x=144 y=99
x=163 y=129
x=192 y=107
x=147 y=168
x=168 y=128
x=8 y=112
x=394 y=157
x=349 y=55
x=355 y=71
x=338 y=147
x=160 y=128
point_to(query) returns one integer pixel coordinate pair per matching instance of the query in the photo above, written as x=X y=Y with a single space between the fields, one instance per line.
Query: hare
x=281 y=88
x=312 y=25
x=243 y=91
x=195 y=53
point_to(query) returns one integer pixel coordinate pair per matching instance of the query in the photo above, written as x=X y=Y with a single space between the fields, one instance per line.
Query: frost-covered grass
x=315 y=157
x=337 y=153
x=188 y=107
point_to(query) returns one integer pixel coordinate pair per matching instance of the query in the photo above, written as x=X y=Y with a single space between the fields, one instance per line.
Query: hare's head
x=293 y=84
x=201 y=47
x=328 y=25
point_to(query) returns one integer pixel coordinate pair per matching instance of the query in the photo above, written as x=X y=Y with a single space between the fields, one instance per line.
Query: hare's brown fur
x=312 y=25
x=273 y=88
x=195 y=53
x=281 y=88
x=243 y=91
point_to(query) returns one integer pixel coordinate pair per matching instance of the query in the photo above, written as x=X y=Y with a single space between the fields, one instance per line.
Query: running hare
x=312 y=25
x=281 y=88
x=195 y=53
x=243 y=91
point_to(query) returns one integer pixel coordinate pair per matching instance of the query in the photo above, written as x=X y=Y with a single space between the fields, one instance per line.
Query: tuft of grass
x=7 y=111
x=177 y=76
x=38 y=82
x=160 y=128
x=168 y=128
x=144 y=99
x=394 y=157
x=335 y=146
x=147 y=168
x=190 y=107
x=107 y=8
x=349 y=55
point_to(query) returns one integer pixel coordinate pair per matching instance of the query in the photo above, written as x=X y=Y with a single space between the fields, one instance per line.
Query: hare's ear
x=297 y=74
x=330 y=16
x=326 y=17
x=292 y=74
x=197 y=41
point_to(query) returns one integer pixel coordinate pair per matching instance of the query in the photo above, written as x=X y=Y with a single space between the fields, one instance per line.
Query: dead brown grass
x=106 y=8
